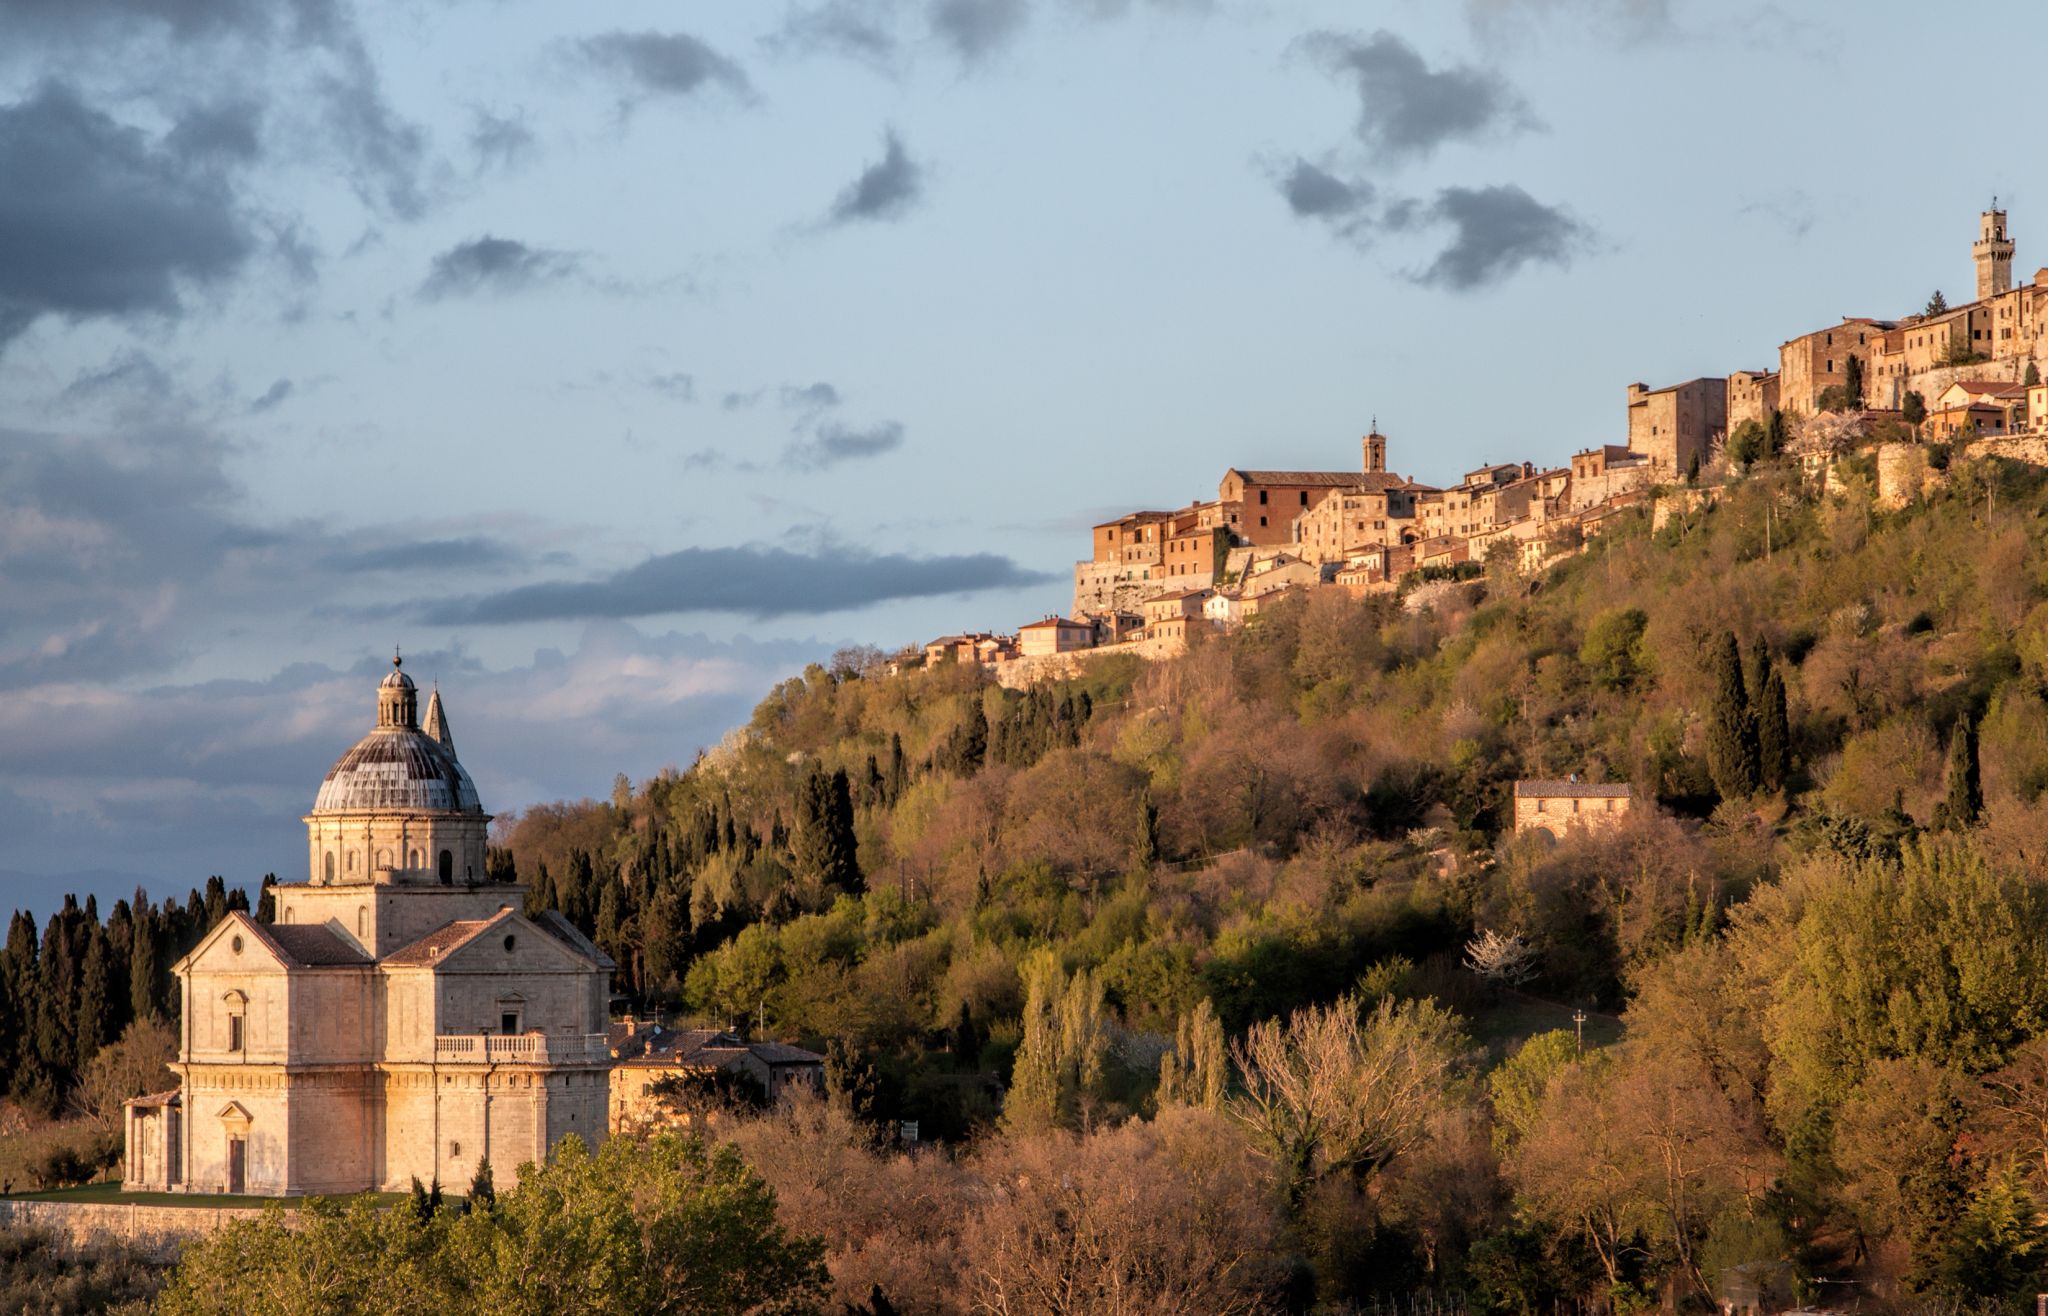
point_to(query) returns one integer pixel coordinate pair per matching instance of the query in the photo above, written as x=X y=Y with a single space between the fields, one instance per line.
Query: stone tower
x=1993 y=252
x=1375 y=452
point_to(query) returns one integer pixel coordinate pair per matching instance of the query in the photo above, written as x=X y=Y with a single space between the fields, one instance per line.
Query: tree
x=1965 y=798
x=1935 y=304
x=1852 y=382
x=1502 y=958
x=664 y=1227
x=2032 y=375
x=1748 y=444
x=1197 y=1071
x=1776 y=440
x=1059 y=1068
x=1327 y=1094
x=134 y=1065
x=1518 y=1085
x=483 y=1194
x=1914 y=410
x=1731 y=729
x=1613 y=651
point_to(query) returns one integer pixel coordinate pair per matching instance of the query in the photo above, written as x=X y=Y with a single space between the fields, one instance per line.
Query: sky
x=616 y=361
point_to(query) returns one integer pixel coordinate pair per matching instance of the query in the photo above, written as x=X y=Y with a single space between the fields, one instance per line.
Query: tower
x=1993 y=253
x=1375 y=452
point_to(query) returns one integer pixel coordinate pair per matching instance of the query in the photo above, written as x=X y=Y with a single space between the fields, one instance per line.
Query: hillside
x=1248 y=927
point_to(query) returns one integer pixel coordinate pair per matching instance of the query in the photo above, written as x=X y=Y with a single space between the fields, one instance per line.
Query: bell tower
x=1993 y=253
x=1375 y=451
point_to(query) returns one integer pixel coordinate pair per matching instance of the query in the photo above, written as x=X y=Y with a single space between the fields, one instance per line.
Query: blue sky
x=615 y=361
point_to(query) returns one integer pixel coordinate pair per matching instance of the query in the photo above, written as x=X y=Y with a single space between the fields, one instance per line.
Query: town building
x=1557 y=807
x=1677 y=426
x=649 y=1061
x=1752 y=395
x=402 y=1018
x=1041 y=639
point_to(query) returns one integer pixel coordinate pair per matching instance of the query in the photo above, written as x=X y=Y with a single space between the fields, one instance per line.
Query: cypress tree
x=145 y=967
x=974 y=740
x=1965 y=799
x=899 y=771
x=1731 y=730
x=95 y=999
x=1773 y=735
x=843 y=843
x=266 y=901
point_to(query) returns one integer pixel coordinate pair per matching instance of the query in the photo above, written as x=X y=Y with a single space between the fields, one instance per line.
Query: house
x=954 y=648
x=1556 y=807
x=1054 y=635
x=1679 y=424
x=645 y=1054
x=401 y=1020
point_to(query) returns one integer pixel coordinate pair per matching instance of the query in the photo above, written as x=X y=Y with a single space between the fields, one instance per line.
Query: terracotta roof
x=1053 y=621
x=1994 y=387
x=443 y=941
x=1323 y=479
x=169 y=1097
x=313 y=944
x=1573 y=790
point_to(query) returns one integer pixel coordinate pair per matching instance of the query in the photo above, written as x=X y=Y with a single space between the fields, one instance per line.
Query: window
x=1262 y=497
x=362 y=920
x=1304 y=498
x=327 y=866
x=447 y=868
x=234 y=1032
x=508 y=1023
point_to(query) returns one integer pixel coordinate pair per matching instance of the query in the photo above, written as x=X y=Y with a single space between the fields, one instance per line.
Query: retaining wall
x=158 y=1230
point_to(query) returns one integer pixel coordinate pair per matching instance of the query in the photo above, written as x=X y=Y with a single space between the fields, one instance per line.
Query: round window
x=235 y=944
x=510 y=942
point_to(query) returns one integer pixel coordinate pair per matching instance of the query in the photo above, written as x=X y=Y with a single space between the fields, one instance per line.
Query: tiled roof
x=1325 y=479
x=561 y=929
x=1052 y=621
x=313 y=944
x=1573 y=790
x=443 y=941
x=168 y=1097
x=1992 y=387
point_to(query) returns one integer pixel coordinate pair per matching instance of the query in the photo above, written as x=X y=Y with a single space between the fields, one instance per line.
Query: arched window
x=447 y=867
x=327 y=867
x=412 y=859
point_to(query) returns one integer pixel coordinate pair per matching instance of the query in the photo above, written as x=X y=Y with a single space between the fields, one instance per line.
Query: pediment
x=236 y=944
x=234 y=1113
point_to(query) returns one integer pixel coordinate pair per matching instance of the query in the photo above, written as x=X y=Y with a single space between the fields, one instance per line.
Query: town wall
x=1023 y=673
x=1901 y=471
x=157 y=1230
x=1101 y=587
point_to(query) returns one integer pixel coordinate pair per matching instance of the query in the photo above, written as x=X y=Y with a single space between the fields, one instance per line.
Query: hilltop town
x=1911 y=387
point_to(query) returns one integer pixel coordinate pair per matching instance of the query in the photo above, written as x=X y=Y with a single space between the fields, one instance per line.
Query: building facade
x=1557 y=807
x=401 y=1018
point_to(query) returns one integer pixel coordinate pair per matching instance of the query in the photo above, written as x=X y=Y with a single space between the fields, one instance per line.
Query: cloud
x=1498 y=230
x=96 y=220
x=862 y=30
x=174 y=782
x=499 y=141
x=977 y=29
x=664 y=63
x=1406 y=109
x=273 y=397
x=809 y=397
x=473 y=551
x=675 y=385
x=834 y=443
x=1630 y=19
x=495 y=265
x=886 y=189
x=231 y=130
x=752 y=581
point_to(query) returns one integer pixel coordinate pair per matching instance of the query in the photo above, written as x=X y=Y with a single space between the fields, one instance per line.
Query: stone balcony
x=521 y=1049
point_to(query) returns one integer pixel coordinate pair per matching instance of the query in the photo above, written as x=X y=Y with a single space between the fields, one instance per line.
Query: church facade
x=400 y=1018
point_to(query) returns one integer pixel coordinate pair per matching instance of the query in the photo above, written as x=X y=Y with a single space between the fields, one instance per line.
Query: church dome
x=398 y=767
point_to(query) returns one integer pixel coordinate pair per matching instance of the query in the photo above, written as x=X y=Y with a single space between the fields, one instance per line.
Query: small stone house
x=1556 y=807
x=645 y=1053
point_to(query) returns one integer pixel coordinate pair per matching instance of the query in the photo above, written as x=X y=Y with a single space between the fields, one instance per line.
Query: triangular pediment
x=234 y=1113
x=236 y=942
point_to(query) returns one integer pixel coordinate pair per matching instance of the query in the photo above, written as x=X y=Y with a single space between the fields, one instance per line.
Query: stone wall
x=1022 y=673
x=157 y=1230
x=1101 y=587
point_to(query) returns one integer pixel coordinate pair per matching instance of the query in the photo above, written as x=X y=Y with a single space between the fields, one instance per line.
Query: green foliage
x=1613 y=652
x=1732 y=729
x=665 y=1226
x=1060 y=1072
x=1517 y=1086
x=1749 y=443
x=1914 y=410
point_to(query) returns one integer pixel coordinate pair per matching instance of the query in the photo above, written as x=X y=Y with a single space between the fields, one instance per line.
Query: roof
x=1321 y=479
x=707 y=1048
x=1054 y=621
x=1129 y=517
x=397 y=768
x=156 y=1100
x=443 y=941
x=1573 y=790
x=1993 y=387
x=313 y=944
x=561 y=929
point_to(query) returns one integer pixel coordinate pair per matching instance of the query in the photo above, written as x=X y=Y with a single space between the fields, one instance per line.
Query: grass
x=113 y=1194
x=1519 y=1017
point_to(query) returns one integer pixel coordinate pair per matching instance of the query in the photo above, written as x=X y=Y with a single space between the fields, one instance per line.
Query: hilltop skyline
x=616 y=369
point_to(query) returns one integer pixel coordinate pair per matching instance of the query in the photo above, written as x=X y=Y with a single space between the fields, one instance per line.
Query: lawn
x=1518 y=1017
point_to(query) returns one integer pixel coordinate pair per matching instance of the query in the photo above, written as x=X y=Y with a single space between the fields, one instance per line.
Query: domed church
x=402 y=1018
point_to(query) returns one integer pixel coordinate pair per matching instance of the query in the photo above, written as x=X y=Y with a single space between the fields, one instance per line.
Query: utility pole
x=1579 y=1024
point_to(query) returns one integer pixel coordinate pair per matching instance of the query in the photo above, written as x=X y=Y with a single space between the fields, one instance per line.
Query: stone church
x=401 y=1018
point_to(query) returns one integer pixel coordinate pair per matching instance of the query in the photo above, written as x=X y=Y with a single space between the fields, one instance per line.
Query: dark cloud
x=809 y=397
x=664 y=63
x=495 y=265
x=1406 y=109
x=474 y=551
x=1498 y=230
x=976 y=29
x=886 y=189
x=752 y=581
x=386 y=152
x=231 y=130
x=98 y=220
x=273 y=397
x=1315 y=193
x=499 y=141
x=834 y=443
x=130 y=375
x=675 y=385
x=862 y=30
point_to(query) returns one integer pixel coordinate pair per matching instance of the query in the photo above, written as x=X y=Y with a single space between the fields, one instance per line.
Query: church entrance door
x=238 y=1164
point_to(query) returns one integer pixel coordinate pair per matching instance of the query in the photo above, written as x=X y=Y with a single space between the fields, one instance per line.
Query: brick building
x=1679 y=424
